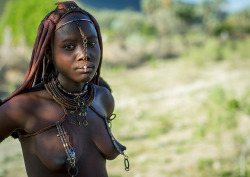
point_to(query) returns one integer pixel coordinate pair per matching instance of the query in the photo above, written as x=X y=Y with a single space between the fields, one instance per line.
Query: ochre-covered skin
x=44 y=154
x=31 y=109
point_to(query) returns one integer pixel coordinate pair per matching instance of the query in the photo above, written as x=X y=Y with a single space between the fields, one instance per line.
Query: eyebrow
x=66 y=40
x=92 y=36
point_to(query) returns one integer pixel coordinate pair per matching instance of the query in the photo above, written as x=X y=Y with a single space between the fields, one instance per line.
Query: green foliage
x=207 y=168
x=186 y=12
x=211 y=14
x=246 y=101
x=162 y=125
x=2 y=6
x=159 y=18
x=233 y=26
x=201 y=49
x=205 y=164
x=164 y=29
x=221 y=112
x=238 y=28
x=223 y=27
x=150 y=5
x=233 y=104
x=117 y=25
x=23 y=18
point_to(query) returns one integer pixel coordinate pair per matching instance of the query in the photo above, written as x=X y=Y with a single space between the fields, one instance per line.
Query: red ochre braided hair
x=40 y=64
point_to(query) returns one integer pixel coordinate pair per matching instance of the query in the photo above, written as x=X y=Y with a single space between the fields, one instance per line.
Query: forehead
x=72 y=16
x=71 y=29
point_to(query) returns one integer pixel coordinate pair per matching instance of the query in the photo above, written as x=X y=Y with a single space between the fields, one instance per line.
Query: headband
x=71 y=21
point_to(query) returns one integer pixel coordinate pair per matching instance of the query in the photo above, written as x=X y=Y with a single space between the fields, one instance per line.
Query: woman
x=60 y=113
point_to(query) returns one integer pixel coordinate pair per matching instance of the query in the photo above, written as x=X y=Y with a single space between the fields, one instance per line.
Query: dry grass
x=160 y=112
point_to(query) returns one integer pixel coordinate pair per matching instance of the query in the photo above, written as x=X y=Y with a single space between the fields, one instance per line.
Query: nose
x=82 y=55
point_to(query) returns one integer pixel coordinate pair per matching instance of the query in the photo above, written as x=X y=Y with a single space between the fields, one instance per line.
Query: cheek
x=62 y=63
x=61 y=56
x=97 y=54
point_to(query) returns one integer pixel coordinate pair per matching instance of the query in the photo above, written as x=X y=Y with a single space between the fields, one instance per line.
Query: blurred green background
x=180 y=77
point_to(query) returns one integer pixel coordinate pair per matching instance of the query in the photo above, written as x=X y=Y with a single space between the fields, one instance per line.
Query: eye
x=91 y=44
x=69 y=47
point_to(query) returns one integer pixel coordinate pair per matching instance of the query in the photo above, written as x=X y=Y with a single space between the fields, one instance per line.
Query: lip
x=87 y=70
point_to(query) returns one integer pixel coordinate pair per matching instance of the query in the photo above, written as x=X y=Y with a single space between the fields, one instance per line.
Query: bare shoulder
x=30 y=97
x=15 y=113
x=23 y=105
x=104 y=100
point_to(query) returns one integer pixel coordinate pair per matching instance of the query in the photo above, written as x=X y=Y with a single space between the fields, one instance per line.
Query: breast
x=90 y=142
x=49 y=149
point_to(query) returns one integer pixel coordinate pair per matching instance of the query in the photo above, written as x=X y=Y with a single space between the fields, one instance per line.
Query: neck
x=73 y=87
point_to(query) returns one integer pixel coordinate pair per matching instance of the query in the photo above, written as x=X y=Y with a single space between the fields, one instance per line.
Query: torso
x=44 y=153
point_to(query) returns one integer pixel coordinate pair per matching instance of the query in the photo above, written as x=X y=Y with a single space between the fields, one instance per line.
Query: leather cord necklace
x=72 y=101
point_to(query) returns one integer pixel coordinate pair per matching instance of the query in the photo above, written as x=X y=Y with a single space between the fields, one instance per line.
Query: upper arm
x=10 y=112
x=108 y=102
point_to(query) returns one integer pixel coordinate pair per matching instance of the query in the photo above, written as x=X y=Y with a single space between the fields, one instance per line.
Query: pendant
x=83 y=115
x=85 y=123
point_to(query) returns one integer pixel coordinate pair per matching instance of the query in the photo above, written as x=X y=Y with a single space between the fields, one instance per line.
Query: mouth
x=83 y=69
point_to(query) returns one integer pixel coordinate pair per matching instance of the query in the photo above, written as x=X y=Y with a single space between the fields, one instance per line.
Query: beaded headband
x=71 y=21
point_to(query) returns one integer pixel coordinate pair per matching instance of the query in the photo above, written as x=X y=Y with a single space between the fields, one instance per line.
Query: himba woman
x=60 y=113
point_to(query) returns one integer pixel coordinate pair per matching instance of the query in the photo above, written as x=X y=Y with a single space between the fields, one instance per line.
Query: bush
x=24 y=17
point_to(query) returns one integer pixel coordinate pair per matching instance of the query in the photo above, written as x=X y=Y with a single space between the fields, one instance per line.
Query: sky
x=232 y=6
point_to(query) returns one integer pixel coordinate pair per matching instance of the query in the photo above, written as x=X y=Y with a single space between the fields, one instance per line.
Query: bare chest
x=50 y=150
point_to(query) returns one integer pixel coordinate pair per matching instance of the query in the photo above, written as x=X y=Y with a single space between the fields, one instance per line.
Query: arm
x=9 y=117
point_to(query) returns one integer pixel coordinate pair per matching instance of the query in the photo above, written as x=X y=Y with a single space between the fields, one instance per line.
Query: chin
x=85 y=79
